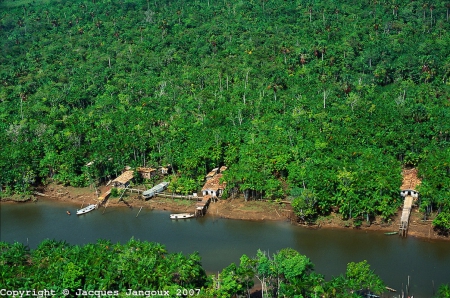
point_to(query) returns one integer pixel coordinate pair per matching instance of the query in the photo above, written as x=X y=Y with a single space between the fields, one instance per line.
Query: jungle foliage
x=141 y=265
x=332 y=97
x=56 y=265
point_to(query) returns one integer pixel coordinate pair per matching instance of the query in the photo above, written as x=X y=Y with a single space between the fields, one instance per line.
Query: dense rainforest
x=323 y=102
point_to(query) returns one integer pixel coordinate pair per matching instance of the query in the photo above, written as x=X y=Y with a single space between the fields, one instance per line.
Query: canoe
x=182 y=215
x=391 y=233
x=86 y=209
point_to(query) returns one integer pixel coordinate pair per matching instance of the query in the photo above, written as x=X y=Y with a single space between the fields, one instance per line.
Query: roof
x=125 y=177
x=214 y=183
x=222 y=168
x=410 y=179
x=155 y=189
x=212 y=173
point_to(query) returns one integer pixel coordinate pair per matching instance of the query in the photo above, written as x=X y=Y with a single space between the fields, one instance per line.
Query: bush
x=114 y=192
x=442 y=223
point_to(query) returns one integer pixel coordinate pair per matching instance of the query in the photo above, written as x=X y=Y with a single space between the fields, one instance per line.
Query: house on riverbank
x=213 y=186
x=147 y=173
x=410 y=194
x=123 y=180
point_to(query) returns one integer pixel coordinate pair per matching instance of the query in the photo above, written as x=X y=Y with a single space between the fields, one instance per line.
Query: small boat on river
x=86 y=209
x=68 y=212
x=182 y=215
x=391 y=233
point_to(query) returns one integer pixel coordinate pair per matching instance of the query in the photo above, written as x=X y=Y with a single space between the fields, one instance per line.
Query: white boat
x=86 y=209
x=182 y=215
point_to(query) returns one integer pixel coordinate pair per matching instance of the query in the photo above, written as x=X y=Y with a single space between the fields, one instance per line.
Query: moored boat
x=86 y=209
x=391 y=233
x=68 y=212
x=182 y=215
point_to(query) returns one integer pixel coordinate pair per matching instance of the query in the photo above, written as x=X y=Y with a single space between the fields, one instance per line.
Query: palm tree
x=444 y=291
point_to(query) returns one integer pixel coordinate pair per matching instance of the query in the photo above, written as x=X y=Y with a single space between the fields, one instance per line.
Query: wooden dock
x=202 y=206
x=104 y=197
x=406 y=213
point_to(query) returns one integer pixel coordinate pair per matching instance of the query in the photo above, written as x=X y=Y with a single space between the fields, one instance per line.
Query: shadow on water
x=221 y=242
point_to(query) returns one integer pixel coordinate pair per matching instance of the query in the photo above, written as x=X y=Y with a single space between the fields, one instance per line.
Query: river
x=223 y=241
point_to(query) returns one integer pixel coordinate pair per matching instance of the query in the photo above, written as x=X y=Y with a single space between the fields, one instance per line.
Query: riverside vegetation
x=137 y=265
x=141 y=266
x=323 y=102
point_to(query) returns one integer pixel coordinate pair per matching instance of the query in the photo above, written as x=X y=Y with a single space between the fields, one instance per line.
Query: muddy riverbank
x=234 y=209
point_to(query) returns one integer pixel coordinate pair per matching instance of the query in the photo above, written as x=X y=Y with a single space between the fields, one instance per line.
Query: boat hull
x=86 y=209
x=182 y=216
x=391 y=233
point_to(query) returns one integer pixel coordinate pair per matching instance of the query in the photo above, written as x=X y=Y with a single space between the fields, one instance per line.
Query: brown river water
x=223 y=241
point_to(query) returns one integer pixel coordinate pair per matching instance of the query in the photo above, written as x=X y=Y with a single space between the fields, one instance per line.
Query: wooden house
x=213 y=186
x=410 y=182
x=147 y=173
x=123 y=180
x=164 y=170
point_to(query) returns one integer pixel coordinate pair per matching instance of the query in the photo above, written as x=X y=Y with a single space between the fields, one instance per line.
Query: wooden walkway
x=104 y=197
x=188 y=197
x=135 y=190
x=404 y=222
x=202 y=206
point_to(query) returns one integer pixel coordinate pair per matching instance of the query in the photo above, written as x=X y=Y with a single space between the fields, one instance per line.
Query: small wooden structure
x=211 y=174
x=202 y=206
x=104 y=197
x=123 y=180
x=410 y=195
x=147 y=173
x=164 y=170
x=213 y=186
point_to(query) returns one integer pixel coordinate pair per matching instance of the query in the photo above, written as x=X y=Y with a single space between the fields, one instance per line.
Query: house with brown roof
x=214 y=187
x=215 y=171
x=124 y=179
x=147 y=173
